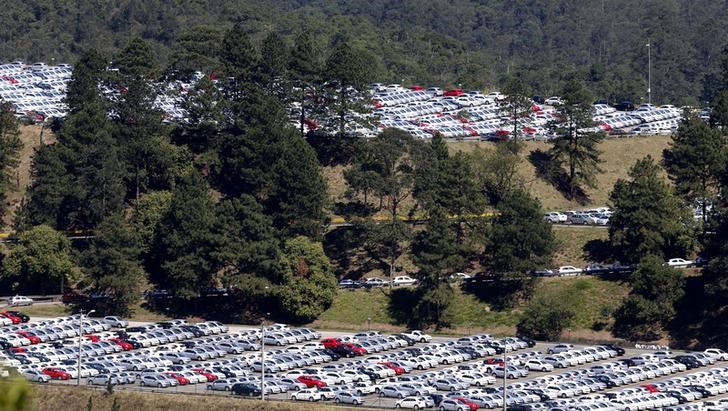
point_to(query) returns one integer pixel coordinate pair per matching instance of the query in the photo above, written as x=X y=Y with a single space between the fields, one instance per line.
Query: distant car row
x=376 y=282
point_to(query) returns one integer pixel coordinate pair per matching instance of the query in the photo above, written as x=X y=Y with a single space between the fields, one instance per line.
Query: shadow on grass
x=401 y=306
x=702 y=319
x=354 y=209
x=598 y=251
x=548 y=170
x=500 y=291
x=344 y=246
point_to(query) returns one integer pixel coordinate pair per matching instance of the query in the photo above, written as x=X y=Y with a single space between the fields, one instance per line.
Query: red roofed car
x=311 y=381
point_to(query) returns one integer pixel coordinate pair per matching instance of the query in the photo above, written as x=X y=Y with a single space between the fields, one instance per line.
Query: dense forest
x=468 y=42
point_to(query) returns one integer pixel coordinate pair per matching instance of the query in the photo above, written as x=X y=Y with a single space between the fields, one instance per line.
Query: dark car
x=165 y=324
x=614 y=347
x=688 y=361
x=136 y=330
x=196 y=331
x=20 y=315
x=538 y=99
x=246 y=389
x=344 y=351
x=437 y=398
x=409 y=340
x=625 y=105
x=469 y=350
x=214 y=292
x=73 y=297
x=527 y=340
x=331 y=353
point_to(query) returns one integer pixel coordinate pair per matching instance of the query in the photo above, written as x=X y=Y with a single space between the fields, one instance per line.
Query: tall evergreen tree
x=298 y=195
x=196 y=49
x=10 y=146
x=240 y=59
x=181 y=258
x=274 y=67
x=88 y=75
x=517 y=242
x=437 y=253
x=497 y=173
x=112 y=264
x=351 y=69
x=575 y=147
x=650 y=306
x=304 y=67
x=101 y=182
x=695 y=161
x=648 y=219
x=517 y=106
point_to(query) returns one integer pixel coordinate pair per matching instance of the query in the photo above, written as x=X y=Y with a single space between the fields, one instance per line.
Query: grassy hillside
x=618 y=156
x=593 y=300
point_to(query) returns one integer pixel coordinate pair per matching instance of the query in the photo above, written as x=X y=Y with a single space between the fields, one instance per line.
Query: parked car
x=19 y=300
x=403 y=280
x=679 y=263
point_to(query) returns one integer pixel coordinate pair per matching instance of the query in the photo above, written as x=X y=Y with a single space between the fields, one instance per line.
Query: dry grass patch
x=55 y=397
x=571 y=242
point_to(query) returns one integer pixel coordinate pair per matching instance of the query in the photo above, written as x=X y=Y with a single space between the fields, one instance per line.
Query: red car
x=180 y=379
x=330 y=342
x=17 y=350
x=491 y=360
x=395 y=368
x=93 y=338
x=416 y=88
x=123 y=344
x=13 y=318
x=34 y=339
x=651 y=388
x=456 y=92
x=310 y=381
x=210 y=377
x=473 y=406
x=56 y=374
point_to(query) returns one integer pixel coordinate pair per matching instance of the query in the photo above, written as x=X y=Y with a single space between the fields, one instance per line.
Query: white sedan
x=679 y=263
x=306 y=395
x=538 y=365
x=569 y=270
x=415 y=403
x=403 y=280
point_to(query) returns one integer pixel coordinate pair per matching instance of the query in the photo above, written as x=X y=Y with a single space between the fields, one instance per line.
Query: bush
x=545 y=319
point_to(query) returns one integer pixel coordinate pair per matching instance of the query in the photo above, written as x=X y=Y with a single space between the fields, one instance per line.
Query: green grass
x=571 y=242
x=592 y=299
x=46 y=310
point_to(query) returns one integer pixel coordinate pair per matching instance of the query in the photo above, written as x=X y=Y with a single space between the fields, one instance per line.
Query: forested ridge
x=466 y=42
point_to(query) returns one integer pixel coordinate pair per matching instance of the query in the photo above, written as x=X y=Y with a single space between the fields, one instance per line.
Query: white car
x=20 y=300
x=569 y=270
x=403 y=280
x=679 y=263
x=415 y=403
x=306 y=395
x=418 y=335
x=460 y=276
x=115 y=321
x=717 y=353
x=555 y=217
x=554 y=101
x=538 y=365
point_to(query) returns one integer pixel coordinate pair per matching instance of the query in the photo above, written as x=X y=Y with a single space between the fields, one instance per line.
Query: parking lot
x=377 y=370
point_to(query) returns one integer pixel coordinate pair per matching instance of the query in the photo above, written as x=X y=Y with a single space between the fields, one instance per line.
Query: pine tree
x=576 y=145
x=298 y=194
x=517 y=241
x=196 y=49
x=238 y=55
x=650 y=306
x=719 y=112
x=351 y=69
x=10 y=146
x=437 y=253
x=648 y=218
x=274 y=67
x=180 y=259
x=497 y=173
x=101 y=182
x=88 y=74
x=695 y=161
x=517 y=106
x=304 y=67
x=112 y=264
x=48 y=191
